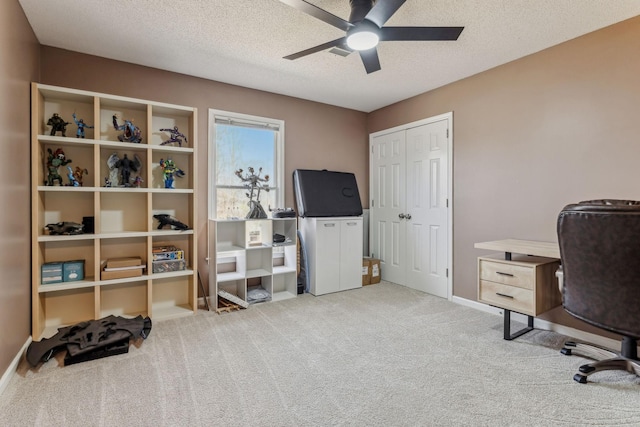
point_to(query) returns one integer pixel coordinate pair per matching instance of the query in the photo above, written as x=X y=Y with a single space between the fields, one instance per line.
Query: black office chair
x=600 y=253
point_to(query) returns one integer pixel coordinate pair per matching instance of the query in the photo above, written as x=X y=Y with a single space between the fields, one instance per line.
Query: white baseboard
x=13 y=367
x=544 y=324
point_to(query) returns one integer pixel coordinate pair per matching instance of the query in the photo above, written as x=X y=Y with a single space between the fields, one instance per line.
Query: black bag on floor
x=90 y=340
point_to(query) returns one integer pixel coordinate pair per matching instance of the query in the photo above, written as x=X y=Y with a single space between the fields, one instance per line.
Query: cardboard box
x=73 y=271
x=120 y=274
x=374 y=270
x=163 y=247
x=168 y=255
x=51 y=272
x=123 y=262
x=366 y=275
x=374 y=266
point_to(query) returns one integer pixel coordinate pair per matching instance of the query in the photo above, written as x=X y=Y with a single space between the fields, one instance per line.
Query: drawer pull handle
x=331 y=224
x=504 y=295
x=504 y=274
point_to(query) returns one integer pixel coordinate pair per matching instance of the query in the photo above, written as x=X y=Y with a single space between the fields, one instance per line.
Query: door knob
x=401 y=216
x=408 y=216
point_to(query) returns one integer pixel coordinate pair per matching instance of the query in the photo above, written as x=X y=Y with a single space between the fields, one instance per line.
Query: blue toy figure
x=81 y=126
x=73 y=182
x=169 y=170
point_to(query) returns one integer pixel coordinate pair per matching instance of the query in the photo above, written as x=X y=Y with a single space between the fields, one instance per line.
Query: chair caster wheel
x=566 y=351
x=582 y=379
x=585 y=369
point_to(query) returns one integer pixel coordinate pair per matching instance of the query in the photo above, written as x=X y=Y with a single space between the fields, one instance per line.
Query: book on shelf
x=124 y=262
x=131 y=267
x=120 y=274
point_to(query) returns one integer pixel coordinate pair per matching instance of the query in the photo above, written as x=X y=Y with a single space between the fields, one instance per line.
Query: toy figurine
x=81 y=126
x=73 y=182
x=126 y=166
x=255 y=184
x=120 y=170
x=78 y=173
x=175 y=136
x=54 y=161
x=171 y=221
x=57 y=125
x=169 y=171
x=137 y=182
x=64 y=227
x=130 y=132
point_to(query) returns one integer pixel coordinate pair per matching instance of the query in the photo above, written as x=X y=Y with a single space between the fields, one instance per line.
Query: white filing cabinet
x=334 y=251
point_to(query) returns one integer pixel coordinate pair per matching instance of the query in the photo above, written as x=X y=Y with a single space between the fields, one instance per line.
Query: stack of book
x=119 y=268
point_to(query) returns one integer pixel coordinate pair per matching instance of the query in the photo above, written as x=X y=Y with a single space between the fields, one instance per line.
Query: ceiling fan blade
x=337 y=42
x=419 y=33
x=318 y=13
x=370 y=60
x=383 y=10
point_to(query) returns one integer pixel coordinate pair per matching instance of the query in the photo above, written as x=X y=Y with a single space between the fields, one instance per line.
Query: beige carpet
x=383 y=355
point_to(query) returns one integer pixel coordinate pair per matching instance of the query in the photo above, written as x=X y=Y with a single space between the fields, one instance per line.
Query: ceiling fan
x=365 y=29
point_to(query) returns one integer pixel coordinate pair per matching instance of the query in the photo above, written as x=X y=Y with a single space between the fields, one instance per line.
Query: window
x=238 y=141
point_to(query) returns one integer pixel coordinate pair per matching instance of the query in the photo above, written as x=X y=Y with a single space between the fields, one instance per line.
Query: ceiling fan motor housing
x=359 y=9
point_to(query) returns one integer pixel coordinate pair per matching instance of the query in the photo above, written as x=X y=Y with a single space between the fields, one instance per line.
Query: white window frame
x=244 y=119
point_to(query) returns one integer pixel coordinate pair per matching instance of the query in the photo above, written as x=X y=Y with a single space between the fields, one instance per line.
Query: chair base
x=605 y=359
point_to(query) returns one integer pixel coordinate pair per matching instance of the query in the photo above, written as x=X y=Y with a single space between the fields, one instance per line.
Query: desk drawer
x=505 y=296
x=508 y=274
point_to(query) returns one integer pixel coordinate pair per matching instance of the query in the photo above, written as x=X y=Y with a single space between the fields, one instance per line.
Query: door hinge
x=372 y=149
x=447 y=272
x=447 y=132
x=446 y=203
x=373 y=203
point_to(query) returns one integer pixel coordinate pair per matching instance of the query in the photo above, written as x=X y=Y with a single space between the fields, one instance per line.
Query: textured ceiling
x=242 y=42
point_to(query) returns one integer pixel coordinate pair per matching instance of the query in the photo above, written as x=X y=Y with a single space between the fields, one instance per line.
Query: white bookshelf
x=244 y=255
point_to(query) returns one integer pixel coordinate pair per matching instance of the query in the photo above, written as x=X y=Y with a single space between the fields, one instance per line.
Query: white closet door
x=388 y=237
x=427 y=225
x=409 y=209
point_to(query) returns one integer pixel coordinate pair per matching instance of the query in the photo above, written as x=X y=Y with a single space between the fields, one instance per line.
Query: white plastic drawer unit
x=334 y=249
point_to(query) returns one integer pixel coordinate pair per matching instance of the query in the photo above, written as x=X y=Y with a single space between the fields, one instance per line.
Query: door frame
x=445 y=116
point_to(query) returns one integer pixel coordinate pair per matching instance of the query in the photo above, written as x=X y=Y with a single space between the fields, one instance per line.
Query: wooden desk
x=527 y=247
x=522 y=280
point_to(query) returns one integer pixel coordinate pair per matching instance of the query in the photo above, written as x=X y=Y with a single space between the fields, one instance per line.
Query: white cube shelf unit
x=123 y=216
x=245 y=255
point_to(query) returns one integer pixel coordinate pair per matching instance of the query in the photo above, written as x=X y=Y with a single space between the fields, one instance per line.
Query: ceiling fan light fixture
x=363 y=40
x=364 y=36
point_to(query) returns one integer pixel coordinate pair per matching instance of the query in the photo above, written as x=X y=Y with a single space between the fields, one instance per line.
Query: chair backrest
x=600 y=251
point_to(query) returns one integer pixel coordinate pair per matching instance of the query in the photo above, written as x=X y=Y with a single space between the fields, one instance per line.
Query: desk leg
x=507 y=326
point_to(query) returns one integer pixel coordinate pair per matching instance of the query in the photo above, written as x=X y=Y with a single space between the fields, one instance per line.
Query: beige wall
x=18 y=67
x=531 y=136
x=317 y=136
